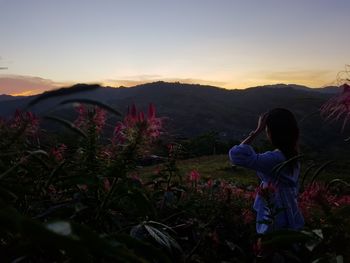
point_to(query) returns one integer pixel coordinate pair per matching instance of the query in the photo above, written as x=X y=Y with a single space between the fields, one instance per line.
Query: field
x=93 y=199
x=218 y=167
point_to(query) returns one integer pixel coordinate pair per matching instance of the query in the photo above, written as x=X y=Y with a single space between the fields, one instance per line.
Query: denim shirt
x=286 y=182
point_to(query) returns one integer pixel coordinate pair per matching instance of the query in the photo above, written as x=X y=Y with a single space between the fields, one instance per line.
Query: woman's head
x=283 y=132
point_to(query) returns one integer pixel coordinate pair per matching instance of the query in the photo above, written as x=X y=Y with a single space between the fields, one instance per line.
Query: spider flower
x=338 y=107
x=194 y=176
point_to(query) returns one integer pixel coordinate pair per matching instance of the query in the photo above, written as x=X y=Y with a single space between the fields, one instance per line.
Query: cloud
x=19 y=85
x=25 y=85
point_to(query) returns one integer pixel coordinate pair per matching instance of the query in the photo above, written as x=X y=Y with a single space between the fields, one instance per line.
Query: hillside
x=192 y=110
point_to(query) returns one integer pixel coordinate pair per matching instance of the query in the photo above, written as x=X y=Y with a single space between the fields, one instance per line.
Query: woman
x=276 y=201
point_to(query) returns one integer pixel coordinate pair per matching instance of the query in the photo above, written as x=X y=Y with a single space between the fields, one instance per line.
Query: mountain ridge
x=326 y=89
x=191 y=110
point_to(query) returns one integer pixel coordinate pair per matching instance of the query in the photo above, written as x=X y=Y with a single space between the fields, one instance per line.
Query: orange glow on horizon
x=27 y=93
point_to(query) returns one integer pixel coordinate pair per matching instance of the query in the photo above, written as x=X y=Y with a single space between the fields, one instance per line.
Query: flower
x=106 y=184
x=87 y=117
x=135 y=122
x=25 y=120
x=99 y=118
x=58 y=152
x=248 y=216
x=266 y=191
x=338 y=106
x=316 y=197
x=209 y=183
x=257 y=248
x=194 y=176
x=155 y=124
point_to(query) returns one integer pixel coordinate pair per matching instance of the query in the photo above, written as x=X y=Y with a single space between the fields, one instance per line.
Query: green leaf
x=160 y=225
x=7 y=194
x=285 y=237
x=163 y=238
x=143 y=249
x=54 y=173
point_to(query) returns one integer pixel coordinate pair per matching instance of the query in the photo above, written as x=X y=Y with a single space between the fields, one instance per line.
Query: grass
x=219 y=167
x=212 y=167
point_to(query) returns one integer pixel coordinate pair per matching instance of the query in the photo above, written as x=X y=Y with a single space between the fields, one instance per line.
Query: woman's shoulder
x=245 y=155
x=246 y=149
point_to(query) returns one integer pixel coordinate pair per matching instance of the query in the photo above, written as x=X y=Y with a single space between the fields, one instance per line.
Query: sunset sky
x=46 y=44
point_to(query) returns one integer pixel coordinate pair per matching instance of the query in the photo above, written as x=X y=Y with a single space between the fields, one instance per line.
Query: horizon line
x=28 y=93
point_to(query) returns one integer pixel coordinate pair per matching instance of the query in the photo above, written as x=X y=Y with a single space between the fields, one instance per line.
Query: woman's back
x=276 y=200
x=281 y=188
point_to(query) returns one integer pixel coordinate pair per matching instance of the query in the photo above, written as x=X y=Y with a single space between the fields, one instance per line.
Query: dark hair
x=284 y=131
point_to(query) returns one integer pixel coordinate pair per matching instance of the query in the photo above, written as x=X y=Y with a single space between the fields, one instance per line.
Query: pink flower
x=141 y=116
x=51 y=189
x=26 y=120
x=133 y=112
x=135 y=122
x=342 y=201
x=157 y=171
x=136 y=178
x=210 y=183
x=151 y=111
x=194 y=176
x=82 y=115
x=338 y=106
x=83 y=187
x=258 y=248
x=106 y=184
x=171 y=149
x=215 y=238
x=58 y=152
x=266 y=191
x=87 y=117
x=99 y=118
x=248 y=216
x=316 y=197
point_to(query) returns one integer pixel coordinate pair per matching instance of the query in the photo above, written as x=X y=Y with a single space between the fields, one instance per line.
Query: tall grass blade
x=30 y=154
x=307 y=171
x=67 y=124
x=92 y=102
x=278 y=168
x=54 y=173
x=62 y=92
x=319 y=170
x=337 y=181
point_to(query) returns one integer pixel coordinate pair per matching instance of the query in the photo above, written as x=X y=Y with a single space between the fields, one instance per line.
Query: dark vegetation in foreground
x=90 y=198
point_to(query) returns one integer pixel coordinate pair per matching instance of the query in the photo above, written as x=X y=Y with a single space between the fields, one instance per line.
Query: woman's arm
x=261 y=126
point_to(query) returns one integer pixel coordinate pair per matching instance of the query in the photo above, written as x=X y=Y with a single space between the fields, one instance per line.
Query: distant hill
x=329 y=89
x=195 y=109
x=4 y=97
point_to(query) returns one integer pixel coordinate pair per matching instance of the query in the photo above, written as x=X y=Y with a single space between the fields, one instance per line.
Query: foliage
x=87 y=201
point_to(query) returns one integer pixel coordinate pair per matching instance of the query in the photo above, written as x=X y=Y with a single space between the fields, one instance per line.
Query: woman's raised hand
x=261 y=122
